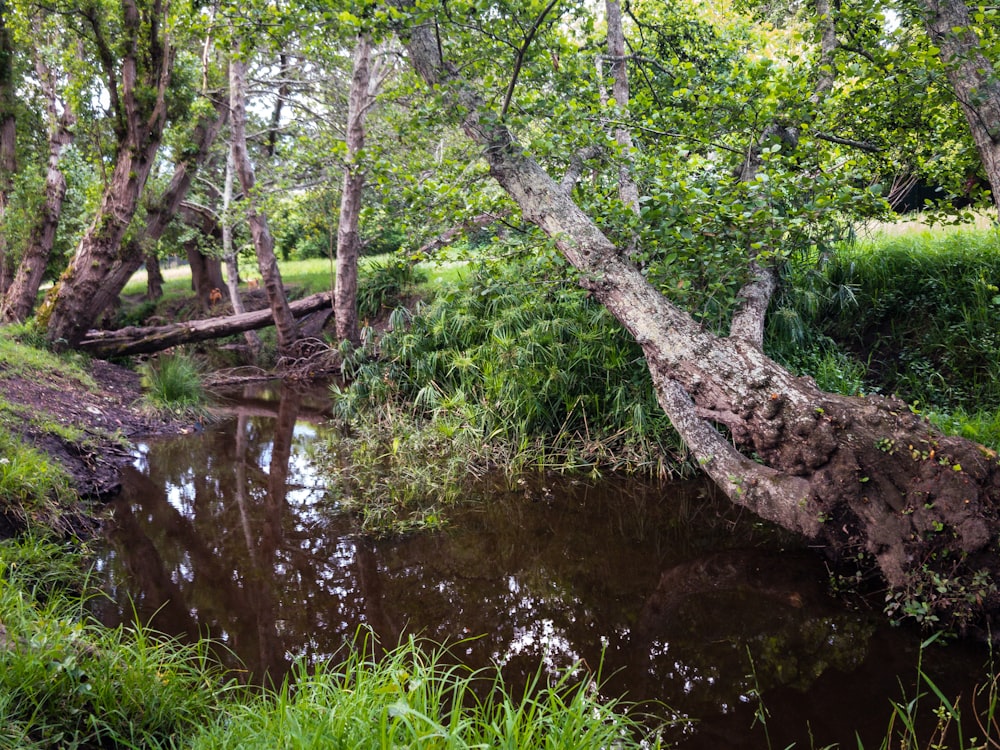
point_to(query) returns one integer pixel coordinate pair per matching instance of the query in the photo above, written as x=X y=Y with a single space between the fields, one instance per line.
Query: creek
x=687 y=605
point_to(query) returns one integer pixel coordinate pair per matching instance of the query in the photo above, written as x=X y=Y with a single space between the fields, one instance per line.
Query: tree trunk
x=974 y=78
x=263 y=242
x=20 y=296
x=154 y=277
x=206 y=277
x=8 y=136
x=146 y=340
x=159 y=214
x=229 y=253
x=138 y=100
x=345 y=296
x=628 y=191
x=862 y=477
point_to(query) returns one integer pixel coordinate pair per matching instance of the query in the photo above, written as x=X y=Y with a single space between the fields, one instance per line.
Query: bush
x=525 y=361
x=173 y=384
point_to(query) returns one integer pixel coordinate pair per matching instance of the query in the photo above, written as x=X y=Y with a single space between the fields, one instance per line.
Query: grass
x=414 y=697
x=34 y=491
x=67 y=682
x=918 y=314
x=23 y=354
x=172 y=384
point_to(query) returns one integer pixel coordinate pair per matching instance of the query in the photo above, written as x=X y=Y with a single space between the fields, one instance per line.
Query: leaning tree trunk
x=284 y=323
x=863 y=477
x=138 y=101
x=19 y=298
x=974 y=78
x=345 y=294
x=160 y=212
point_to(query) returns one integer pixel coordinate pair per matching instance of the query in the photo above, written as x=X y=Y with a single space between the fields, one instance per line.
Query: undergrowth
x=68 y=682
x=920 y=314
x=514 y=368
x=415 y=697
x=34 y=490
x=525 y=360
x=172 y=384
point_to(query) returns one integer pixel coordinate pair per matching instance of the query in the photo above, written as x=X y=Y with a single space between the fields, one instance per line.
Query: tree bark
x=154 y=277
x=8 y=136
x=628 y=191
x=146 y=340
x=345 y=295
x=20 y=296
x=974 y=78
x=138 y=97
x=229 y=252
x=159 y=213
x=263 y=242
x=862 y=477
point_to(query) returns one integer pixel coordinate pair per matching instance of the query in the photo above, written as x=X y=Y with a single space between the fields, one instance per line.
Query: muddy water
x=228 y=532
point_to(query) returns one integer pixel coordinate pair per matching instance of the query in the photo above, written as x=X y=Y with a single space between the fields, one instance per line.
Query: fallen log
x=148 y=339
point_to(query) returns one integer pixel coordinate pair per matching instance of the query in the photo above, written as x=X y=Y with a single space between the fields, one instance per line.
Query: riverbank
x=70 y=420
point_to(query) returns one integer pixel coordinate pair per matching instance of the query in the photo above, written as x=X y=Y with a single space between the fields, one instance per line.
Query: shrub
x=525 y=361
x=173 y=384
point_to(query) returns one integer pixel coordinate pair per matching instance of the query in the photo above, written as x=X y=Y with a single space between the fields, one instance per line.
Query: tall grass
x=918 y=313
x=67 y=682
x=173 y=384
x=413 y=697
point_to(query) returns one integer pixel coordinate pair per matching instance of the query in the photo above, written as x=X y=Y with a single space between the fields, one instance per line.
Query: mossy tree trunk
x=137 y=84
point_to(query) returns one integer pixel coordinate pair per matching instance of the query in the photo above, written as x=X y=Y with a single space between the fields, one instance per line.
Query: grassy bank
x=915 y=314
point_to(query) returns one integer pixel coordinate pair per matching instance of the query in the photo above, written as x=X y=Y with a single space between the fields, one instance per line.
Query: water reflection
x=228 y=532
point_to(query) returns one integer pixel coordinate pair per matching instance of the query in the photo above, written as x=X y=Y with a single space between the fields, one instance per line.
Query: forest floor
x=88 y=428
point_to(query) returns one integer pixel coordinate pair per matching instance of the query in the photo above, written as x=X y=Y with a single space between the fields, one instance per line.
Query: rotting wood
x=148 y=339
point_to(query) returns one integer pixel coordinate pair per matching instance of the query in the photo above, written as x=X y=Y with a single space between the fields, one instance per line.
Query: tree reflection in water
x=229 y=533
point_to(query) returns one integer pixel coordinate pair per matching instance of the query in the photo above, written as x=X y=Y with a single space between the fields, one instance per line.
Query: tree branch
x=520 y=57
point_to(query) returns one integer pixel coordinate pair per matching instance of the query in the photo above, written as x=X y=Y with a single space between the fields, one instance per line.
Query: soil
x=110 y=418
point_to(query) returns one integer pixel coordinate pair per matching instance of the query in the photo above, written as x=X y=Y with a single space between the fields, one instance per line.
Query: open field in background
x=308 y=276
x=920 y=223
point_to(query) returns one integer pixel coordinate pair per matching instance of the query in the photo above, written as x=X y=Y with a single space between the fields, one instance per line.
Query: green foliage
x=173 y=384
x=922 y=312
x=385 y=285
x=526 y=360
x=414 y=696
x=33 y=489
x=67 y=682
